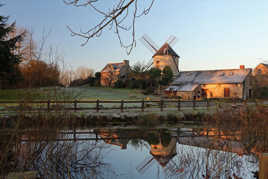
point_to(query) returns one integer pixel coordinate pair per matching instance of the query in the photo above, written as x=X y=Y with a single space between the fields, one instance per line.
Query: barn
x=225 y=83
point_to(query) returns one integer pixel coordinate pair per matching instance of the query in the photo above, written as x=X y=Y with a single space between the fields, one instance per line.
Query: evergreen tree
x=9 y=57
x=166 y=76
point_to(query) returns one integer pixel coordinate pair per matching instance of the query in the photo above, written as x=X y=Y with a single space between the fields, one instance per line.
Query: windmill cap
x=166 y=50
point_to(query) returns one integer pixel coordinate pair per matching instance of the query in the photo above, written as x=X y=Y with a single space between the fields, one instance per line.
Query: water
x=135 y=153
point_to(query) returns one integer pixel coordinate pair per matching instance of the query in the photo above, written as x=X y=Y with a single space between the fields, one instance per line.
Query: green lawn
x=109 y=93
x=80 y=93
x=20 y=94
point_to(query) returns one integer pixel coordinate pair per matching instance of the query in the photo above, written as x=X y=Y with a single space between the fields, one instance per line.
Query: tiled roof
x=115 y=66
x=212 y=76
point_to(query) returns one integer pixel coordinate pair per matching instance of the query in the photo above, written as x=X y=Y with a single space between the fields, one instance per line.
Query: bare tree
x=66 y=77
x=84 y=72
x=38 y=67
x=120 y=16
x=29 y=49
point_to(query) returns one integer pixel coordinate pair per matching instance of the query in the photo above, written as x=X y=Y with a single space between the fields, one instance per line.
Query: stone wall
x=166 y=60
x=217 y=90
x=185 y=95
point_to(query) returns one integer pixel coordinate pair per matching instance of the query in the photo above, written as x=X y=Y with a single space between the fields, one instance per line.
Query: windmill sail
x=149 y=65
x=145 y=165
x=172 y=40
x=162 y=53
x=149 y=43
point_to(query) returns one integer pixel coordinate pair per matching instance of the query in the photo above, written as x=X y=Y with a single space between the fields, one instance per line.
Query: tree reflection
x=178 y=153
x=199 y=160
x=57 y=159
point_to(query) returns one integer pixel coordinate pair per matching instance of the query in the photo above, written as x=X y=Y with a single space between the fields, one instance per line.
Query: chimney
x=126 y=62
x=242 y=67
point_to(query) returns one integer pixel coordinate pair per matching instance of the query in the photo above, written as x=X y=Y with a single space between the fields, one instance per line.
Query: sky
x=212 y=34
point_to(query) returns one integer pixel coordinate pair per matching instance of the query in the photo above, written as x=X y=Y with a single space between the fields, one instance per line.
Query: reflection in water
x=106 y=153
x=58 y=158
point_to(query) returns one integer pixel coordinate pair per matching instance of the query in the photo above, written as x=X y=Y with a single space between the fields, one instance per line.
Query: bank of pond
x=123 y=152
x=226 y=144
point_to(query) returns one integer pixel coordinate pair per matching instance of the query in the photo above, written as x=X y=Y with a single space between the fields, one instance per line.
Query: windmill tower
x=163 y=155
x=163 y=56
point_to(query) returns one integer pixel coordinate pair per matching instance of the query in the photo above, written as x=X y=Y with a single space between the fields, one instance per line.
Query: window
x=211 y=94
x=249 y=93
x=226 y=92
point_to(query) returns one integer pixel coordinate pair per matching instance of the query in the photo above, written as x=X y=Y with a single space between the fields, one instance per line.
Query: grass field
x=79 y=93
x=109 y=93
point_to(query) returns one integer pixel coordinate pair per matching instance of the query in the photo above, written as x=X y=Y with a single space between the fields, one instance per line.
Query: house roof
x=166 y=50
x=211 y=76
x=265 y=64
x=113 y=66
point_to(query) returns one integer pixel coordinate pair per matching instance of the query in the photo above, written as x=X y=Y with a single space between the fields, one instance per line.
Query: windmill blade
x=172 y=40
x=145 y=164
x=149 y=43
x=263 y=60
x=149 y=64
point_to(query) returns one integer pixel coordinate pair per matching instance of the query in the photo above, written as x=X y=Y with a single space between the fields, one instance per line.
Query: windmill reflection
x=195 y=153
x=177 y=153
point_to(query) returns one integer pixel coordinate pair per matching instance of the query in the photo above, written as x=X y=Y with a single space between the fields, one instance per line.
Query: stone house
x=112 y=72
x=227 y=83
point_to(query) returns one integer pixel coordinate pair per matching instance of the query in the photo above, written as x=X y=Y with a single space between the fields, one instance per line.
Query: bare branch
x=121 y=16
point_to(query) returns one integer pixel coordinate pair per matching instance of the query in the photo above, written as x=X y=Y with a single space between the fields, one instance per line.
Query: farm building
x=112 y=72
x=229 y=83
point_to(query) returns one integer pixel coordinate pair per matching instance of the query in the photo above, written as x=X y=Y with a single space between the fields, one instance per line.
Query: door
x=226 y=92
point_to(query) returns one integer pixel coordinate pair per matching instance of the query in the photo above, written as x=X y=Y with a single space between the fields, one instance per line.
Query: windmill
x=163 y=155
x=163 y=56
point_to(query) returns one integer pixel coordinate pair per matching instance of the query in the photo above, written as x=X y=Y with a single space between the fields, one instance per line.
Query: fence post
x=122 y=106
x=263 y=165
x=207 y=104
x=142 y=105
x=194 y=104
x=74 y=133
x=97 y=105
x=48 y=105
x=161 y=104
x=179 y=105
x=75 y=105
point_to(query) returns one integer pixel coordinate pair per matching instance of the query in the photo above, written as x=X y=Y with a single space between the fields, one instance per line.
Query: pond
x=132 y=152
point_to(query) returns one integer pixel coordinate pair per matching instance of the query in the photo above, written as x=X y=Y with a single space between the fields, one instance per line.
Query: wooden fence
x=98 y=105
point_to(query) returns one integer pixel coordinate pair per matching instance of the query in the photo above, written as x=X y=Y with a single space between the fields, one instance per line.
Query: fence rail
x=98 y=105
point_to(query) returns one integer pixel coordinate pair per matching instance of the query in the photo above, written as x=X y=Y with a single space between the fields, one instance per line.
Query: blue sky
x=213 y=34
